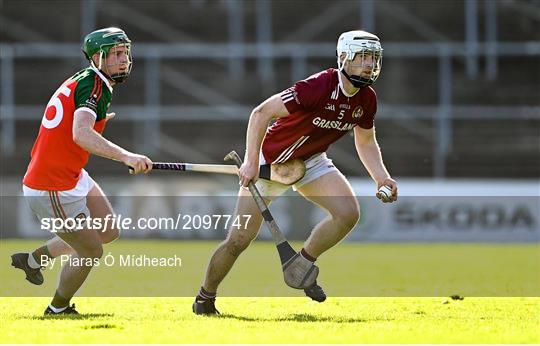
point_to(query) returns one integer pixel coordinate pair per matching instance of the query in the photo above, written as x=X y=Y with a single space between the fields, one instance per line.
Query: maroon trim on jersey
x=97 y=90
x=100 y=90
x=96 y=83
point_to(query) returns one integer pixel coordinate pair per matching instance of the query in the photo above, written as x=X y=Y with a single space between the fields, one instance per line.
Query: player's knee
x=97 y=252
x=110 y=235
x=94 y=251
x=347 y=217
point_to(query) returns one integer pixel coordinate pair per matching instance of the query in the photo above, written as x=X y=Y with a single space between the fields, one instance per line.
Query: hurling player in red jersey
x=56 y=186
x=310 y=116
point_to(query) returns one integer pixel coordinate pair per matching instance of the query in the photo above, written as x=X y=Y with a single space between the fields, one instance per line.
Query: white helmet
x=360 y=42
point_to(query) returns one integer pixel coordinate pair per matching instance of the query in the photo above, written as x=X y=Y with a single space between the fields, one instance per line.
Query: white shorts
x=61 y=204
x=316 y=166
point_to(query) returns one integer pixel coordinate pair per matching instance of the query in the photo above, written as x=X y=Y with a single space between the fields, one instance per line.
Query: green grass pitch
x=149 y=305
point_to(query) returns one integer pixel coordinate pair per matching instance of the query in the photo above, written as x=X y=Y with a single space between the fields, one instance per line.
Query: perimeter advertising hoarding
x=427 y=210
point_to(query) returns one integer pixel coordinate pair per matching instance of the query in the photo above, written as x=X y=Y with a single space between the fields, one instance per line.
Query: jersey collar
x=340 y=76
x=102 y=77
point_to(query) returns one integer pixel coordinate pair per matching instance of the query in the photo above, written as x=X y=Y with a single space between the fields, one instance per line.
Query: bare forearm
x=94 y=143
x=370 y=155
x=258 y=122
x=272 y=107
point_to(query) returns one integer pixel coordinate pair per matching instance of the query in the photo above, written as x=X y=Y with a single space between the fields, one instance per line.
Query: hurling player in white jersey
x=309 y=117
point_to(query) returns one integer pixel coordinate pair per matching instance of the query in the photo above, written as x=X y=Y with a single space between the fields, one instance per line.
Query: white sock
x=32 y=262
x=57 y=310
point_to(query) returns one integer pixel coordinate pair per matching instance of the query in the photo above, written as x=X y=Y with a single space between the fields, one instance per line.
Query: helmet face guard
x=121 y=76
x=102 y=41
x=360 y=43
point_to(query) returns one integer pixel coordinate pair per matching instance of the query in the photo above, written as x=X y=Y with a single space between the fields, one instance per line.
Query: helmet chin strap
x=356 y=81
x=119 y=78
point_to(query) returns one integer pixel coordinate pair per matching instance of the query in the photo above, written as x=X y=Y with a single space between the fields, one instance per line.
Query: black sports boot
x=205 y=307
x=70 y=310
x=316 y=293
x=20 y=261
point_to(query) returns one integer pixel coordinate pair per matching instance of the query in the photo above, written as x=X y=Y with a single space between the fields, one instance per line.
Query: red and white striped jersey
x=320 y=114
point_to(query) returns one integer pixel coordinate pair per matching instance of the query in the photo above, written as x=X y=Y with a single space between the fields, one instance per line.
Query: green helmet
x=101 y=41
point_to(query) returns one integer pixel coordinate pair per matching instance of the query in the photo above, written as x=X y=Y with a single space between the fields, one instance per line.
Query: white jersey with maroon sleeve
x=320 y=114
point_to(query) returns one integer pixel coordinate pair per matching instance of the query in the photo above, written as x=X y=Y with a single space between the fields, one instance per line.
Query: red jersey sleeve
x=366 y=119
x=307 y=94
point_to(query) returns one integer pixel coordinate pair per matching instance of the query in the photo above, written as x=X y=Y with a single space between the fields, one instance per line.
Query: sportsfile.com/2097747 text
x=181 y=222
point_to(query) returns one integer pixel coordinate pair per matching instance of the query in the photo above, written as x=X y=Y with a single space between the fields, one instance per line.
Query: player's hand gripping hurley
x=298 y=272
